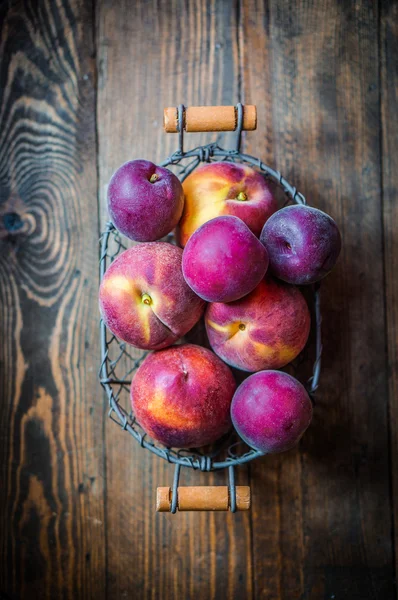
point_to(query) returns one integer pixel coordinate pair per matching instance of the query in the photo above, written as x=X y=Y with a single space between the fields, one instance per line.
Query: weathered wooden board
x=82 y=89
x=389 y=162
x=52 y=533
x=167 y=53
x=322 y=514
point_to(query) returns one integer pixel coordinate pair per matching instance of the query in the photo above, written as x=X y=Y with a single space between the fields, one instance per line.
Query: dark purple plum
x=303 y=244
x=223 y=260
x=271 y=410
x=145 y=202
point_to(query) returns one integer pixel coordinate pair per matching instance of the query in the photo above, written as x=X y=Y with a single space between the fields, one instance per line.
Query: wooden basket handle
x=210 y=118
x=202 y=498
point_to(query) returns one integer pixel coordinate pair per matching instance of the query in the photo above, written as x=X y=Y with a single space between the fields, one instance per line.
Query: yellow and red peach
x=270 y=411
x=182 y=396
x=225 y=188
x=144 y=299
x=265 y=330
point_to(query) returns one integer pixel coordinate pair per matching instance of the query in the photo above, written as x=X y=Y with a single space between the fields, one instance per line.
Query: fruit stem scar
x=146 y=299
x=242 y=326
x=154 y=177
x=241 y=196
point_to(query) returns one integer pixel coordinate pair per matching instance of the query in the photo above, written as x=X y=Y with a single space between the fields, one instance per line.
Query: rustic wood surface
x=83 y=84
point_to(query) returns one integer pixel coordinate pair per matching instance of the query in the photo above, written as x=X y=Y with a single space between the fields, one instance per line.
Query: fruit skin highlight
x=223 y=260
x=182 y=396
x=270 y=411
x=225 y=188
x=145 y=202
x=303 y=244
x=265 y=330
x=144 y=299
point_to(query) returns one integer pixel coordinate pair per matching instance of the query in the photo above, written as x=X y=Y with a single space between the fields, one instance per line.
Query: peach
x=225 y=188
x=144 y=299
x=223 y=260
x=271 y=411
x=182 y=396
x=265 y=330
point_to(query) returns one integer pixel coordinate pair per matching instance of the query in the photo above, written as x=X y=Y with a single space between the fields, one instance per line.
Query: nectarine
x=182 y=396
x=223 y=260
x=225 y=188
x=265 y=330
x=144 y=299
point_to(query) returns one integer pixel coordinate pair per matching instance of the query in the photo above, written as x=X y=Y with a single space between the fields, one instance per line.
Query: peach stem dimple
x=146 y=299
x=241 y=196
x=242 y=326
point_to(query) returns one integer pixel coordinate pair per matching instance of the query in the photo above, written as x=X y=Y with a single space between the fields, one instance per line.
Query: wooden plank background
x=82 y=87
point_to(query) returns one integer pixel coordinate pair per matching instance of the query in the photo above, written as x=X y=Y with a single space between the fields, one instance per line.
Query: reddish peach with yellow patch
x=225 y=188
x=265 y=330
x=144 y=299
x=181 y=396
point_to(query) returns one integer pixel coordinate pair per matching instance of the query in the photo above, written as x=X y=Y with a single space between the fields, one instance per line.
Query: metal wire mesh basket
x=119 y=360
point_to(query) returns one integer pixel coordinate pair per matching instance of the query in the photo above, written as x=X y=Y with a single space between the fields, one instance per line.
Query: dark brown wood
x=165 y=54
x=52 y=525
x=322 y=514
x=389 y=112
x=77 y=495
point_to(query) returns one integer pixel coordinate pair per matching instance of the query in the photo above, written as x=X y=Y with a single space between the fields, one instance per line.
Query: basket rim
x=188 y=457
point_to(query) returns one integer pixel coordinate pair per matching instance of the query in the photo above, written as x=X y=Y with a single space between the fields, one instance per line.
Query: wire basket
x=119 y=360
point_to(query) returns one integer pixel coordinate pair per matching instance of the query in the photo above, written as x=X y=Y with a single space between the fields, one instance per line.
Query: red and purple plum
x=223 y=260
x=225 y=188
x=182 y=396
x=303 y=244
x=145 y=202
x=270 y=411
x=144 y=299
x=265 y=330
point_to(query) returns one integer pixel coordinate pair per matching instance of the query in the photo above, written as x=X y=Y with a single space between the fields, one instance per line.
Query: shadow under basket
x=119 y=360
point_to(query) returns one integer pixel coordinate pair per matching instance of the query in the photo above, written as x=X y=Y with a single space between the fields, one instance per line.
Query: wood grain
x=168 y=53
x=77 y=495
x=52 y=534
x=389 y=111
x=322 y=513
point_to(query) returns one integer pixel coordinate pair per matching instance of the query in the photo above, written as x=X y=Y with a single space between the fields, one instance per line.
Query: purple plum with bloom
x=145 y=202
x=303 y=244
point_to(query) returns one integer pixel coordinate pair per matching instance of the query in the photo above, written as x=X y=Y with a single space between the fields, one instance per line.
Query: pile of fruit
x=238 y=262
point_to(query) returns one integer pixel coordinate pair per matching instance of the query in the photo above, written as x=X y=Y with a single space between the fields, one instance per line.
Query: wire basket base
x=119 y=360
